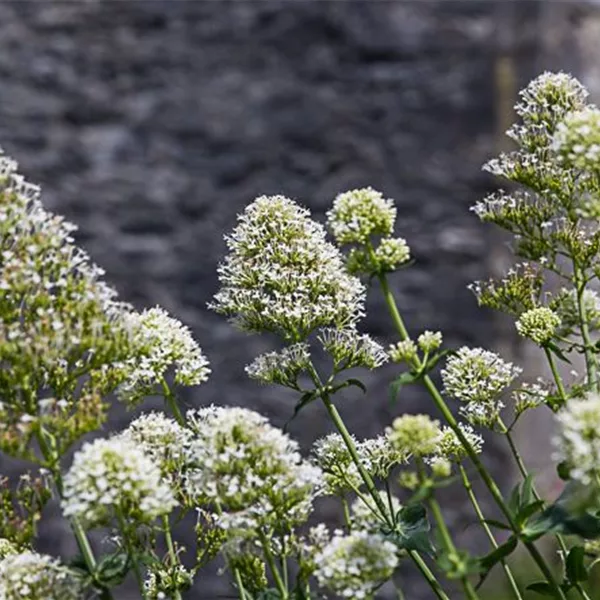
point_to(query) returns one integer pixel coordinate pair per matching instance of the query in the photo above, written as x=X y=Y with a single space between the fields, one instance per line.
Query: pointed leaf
x=575 y=567
x=357 y=383
x=497 y=524
x=558 y=351
x=500 y=553
x=304 y=401
x=403 y=379
x=541 y=587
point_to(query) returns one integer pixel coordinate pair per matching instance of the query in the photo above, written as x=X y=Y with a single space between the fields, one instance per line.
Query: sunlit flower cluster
x=162 y=439
x=162 y=581
x=283 y=367
x=114 y=478
x=578 y=439
x=251 y=469
x=414 y=435
x=349 y=349
x=356 y=215
x=450 y=446
x=429 y=341
x=379 y=455
x=354 y=565
x=332 y=456
x=478 y=377
x=538 y=324
x=281 y=274
x=577 y=139
x=33 y=576
x=403 y=351
x=161 y=342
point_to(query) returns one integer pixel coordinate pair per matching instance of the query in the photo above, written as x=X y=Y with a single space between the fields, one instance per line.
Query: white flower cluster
x=450 y=446
x=339 y=471
x=7 y=547
x=414 y=435
x=354 y=565
x=283 y=367
x=251 y=469
x=403 y=351
x=349 y=349
x=162 y=439
x=364 y=515
x=379 y=456
x=430 y=341
x=531 y=395
x=567 y=310
x=115 y=478
x=160 y=342
x=33 y=576
x=538 y=324
x=281 y=274
x=577 y=139
x=358 y=214
x=478 y=377
x=578 y=440
x=161 y=581
x=543 y=104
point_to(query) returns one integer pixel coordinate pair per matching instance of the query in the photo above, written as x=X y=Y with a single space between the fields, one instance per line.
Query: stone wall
x=152 y=123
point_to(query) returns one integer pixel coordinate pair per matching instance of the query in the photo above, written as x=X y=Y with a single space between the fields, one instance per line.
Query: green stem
x=556 y=375
x=347 y=519
x=271 y=562
x=240 y=585
x=428 y=575
x=171 y=550
x=132 y=554
x=80 y=536
x=590 y=362
x=172 y=403
x=483 y=472
x=481 y=518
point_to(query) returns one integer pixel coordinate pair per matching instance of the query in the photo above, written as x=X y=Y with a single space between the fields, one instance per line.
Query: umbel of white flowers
x=281 y=275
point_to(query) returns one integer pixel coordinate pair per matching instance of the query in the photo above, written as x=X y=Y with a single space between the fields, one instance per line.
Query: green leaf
x=575 y=567
x=435 y=359
x=497 y=524
x=304 y=401
x=412 y=530
x=543 y=588
x=563 y=470
x=358 y=383
x=529 y=510
x=558 y=351
x=113 y=569
x=500 y=553
x=403 y=379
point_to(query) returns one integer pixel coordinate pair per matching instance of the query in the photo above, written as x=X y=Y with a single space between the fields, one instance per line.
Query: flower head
x=7 y=547
x=538 y=324
x=358 y=214
x=283 y=276
x=403 y=351
x=33 y=576
x=364 y=515
x=354 y=565
x=339 y=471
x=250 y=468
x=162 y=439
x=429 y=341
x=161 y=342
x=450 y=446
x=415 y=435
x=115 y=478
x=477 y=375
x=577 y=139
x=578 y=440
x=379 y=455
x=349 y=349
x=283 y=367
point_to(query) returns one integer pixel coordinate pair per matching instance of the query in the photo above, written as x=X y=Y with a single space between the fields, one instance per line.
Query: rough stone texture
x=151 y=124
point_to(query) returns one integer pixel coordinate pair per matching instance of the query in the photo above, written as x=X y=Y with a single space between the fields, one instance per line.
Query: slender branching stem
x=170 y=549
x=590 y=361
x=279 y=583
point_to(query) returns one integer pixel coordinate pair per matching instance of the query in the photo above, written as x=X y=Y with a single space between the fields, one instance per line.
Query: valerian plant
x=68 y=345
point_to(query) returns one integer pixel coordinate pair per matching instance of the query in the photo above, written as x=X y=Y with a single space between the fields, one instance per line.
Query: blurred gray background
x=152 y=123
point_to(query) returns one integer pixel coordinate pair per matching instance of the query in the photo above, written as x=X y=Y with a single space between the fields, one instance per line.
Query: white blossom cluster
x=332 y=457
x=478 y=377
x=414 y=435
x=33 y=576
x=160 y=342
x=538 y=324
x=577 y=139
x=358 y=214
x=379 y=455
x=115 y=478
x=531 y=395
x=161 y=581
x=251 y=469
x=450 y=447
x=349 y=349
x=162 y=439
x=283 y=367
x=354 y=565
x=281 y=275
x=7 y=547
x=577 y=442
x=364 y=514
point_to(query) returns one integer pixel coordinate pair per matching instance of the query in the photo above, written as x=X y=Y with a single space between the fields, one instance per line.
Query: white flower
x=414 y=435
x=577 y=139
x=403 y=351
x=115 y=478
x=349 y=349
x=354 y=565
x=161 y=342
x=251 y=469
x=283 y=367
x=162 y=439
x=379 y=456
x=450 y=446
x=538 y=324
x=358 y=214
x=32 y=576
x=578 y=440
x=430 y=341
x=281 y=274
x=339 y=471
x=477 y=375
